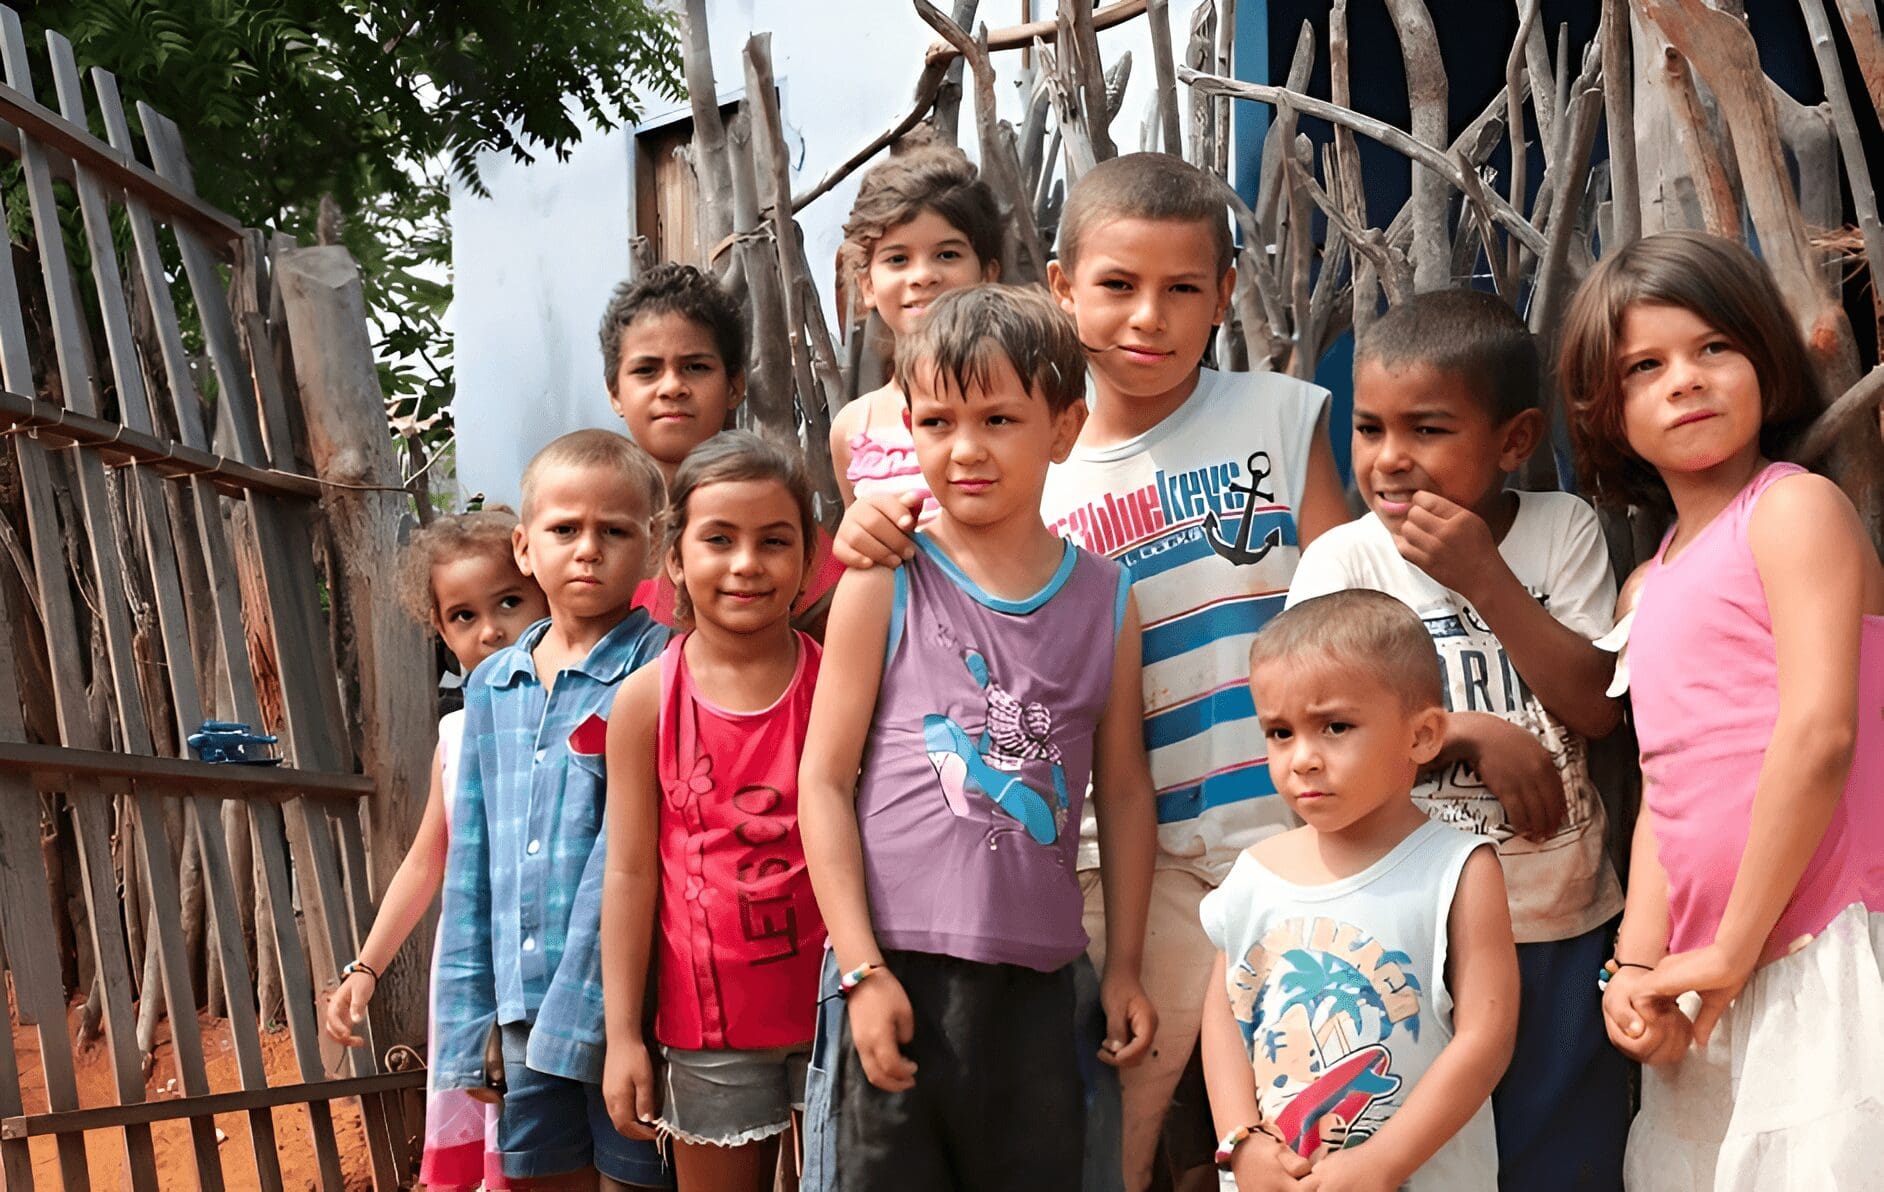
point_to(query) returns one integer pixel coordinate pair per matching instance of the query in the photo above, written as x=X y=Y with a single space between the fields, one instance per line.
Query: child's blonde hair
x=596 y=449
x=480 y=532
x=926 y=177
x=1370 y=632
x=967 y=331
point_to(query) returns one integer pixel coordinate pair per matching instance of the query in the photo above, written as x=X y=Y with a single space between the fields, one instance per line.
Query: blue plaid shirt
x=519 y=932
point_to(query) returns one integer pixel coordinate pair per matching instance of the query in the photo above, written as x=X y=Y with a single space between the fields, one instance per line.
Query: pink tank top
x=741 y=938
x=883 y=460
x=1705 y=682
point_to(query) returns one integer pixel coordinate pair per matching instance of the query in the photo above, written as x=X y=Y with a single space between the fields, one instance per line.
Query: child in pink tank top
x=705 y=883
x=1749 y=969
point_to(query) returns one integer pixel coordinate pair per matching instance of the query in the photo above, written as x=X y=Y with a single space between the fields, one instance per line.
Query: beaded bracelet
x=1226 y=1146
x=1612 y=966
x=359 y=966
x=855 y=977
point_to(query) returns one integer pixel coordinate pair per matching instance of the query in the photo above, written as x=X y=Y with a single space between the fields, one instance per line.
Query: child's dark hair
x=446 y=540
x=1724 y=286
x=683 y=290
x=1468 y=335
x=967 y=330
x=930 y=177
x=726 y=458
x=1372 y=633
x=1154 y=186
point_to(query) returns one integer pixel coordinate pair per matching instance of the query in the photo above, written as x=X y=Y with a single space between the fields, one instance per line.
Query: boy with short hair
x=1204 y=486
x=674 y=361
x=963 y=700
x=1364 y=994
x=1513 y=587
x=518 y=933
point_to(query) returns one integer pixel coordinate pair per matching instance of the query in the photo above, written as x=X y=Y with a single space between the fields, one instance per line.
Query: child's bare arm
x=407 y=896
x=1567 y=672
x=1515 y=767
x=1821 y=577
x=1482 y=973
x=842 y=428
x=848 y=681
x=1260 y=1162
x=1646 y=1028
x=631 y=886
x=876 y=531
x=1324 y=501
x=1128 y=841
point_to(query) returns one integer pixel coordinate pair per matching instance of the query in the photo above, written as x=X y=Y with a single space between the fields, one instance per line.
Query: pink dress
x=1789 y=1093
x=460 y=1133
x=883 y=460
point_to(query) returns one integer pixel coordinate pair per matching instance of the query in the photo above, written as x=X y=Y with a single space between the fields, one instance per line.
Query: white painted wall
x=534 y=262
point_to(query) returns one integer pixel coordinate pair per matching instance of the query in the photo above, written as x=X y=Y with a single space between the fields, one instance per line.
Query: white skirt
x=1788 y=1095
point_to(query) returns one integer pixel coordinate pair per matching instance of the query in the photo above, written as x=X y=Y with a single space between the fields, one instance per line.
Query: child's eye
x=1335 y=728
x=1278 y=734
x=1366 y=431
x=1116 y=285
x=950 y=254
x=562 y=531
x=1716 y=347
x=1185 y=287
x=510 y=602
x=895 y=258
x=1643 y=365
x=1430 y=431
x=462 y=616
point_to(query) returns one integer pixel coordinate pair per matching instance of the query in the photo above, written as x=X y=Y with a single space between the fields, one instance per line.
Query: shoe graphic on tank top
x=990 y=766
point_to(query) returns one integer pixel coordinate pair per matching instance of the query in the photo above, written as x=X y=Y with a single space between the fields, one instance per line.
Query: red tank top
x=741 y=938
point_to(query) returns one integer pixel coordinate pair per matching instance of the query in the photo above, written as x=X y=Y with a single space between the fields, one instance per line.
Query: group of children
x=1125 y=743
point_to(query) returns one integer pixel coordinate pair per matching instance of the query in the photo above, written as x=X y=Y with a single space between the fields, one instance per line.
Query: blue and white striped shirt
x=519 y=931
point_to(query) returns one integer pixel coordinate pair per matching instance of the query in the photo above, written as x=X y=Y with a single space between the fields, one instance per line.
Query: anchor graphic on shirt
x=1239 y=552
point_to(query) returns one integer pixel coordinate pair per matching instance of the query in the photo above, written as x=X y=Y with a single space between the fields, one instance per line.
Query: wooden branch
x=1841 y=416
x=1552 y=285
x=1713 y=188
x=1514 y=122
x=928 y=85
x=1376 y=130
x=1546 y=100
x=709 y=131
x=1299 y=244
x=1200 y=53
x=1079 y=57
x=1476 y=141
x=1625 y=191
x=948 y=101
x=1271 y=187
x=1221 y=64
x=1020 y=37
x=1426 y=96
x=1487 y=227
x=1364 y=281
x=1723 y=50
x=769 y=386
x=1867 y=46
x=1258 y=301
x=1850 y=143
x=1395 y=274
x=1164 y=72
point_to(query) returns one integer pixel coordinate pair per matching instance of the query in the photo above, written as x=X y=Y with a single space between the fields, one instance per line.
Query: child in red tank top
x=705 y=883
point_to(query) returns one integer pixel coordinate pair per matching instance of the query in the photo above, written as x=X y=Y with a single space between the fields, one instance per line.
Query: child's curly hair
x=682 y=290
x=924 y=177
x=481 y=532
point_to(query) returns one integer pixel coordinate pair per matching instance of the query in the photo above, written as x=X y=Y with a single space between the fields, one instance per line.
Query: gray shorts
x=731 y=1097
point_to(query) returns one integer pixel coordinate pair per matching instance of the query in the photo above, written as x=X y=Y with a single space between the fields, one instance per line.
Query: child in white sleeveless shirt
x=1365 y=995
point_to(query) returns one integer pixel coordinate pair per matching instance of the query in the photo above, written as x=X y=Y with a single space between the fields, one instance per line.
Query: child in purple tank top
x=966 y=699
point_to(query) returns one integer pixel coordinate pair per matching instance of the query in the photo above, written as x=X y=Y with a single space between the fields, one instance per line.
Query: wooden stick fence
x=156 y=499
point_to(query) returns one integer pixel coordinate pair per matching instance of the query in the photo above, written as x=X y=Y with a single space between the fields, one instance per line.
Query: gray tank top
x=978 y=759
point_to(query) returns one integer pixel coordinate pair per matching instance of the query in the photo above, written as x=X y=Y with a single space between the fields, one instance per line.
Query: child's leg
x=1562 y=1109
x=708 y=1168
x=724 y=1113
x=543 y=1131
x=1178 y=956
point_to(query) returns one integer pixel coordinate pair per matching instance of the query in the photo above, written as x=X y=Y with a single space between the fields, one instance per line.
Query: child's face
x=1342 y=746
x=985 y=453
x=585 y=542
x=916 y=263
x=1690 y=398
x=1145 y=294
x=672 y=389
x=1420 y=429
x=483 y=603
x=743 y=556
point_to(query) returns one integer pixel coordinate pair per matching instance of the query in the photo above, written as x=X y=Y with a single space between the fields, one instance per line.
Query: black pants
x=997 y=1103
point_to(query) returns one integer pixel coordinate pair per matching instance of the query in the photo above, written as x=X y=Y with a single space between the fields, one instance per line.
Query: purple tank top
x=978 y=759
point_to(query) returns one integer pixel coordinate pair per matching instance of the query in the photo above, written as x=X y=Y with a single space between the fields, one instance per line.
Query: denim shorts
x=731 y=1097
x=550 y=1125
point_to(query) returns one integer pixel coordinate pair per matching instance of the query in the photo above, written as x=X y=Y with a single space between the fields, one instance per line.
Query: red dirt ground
x=176 y=1161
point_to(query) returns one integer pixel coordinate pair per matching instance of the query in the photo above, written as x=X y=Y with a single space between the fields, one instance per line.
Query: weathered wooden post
x=353 y=454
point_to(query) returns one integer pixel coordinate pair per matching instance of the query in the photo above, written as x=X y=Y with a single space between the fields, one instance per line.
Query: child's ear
x=991 y=271
x=671 y=564
x=1429 y=735
x=736 y=386
x=1066 y=427
x=866 y=292
x=520 y=549
x=1061 y=284
x=1519 y=438
x=1226 y=288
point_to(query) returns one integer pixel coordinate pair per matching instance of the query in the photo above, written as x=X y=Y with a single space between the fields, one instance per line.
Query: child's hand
x=1714 y=972
x=1131 y=1020
x=1262 y=1164
x=1448 y=542
x=628 y=1088
x=876 y=531
x=881 y=1021
x=346 y=1008
x=1516 y=769
x=1647 y=1029
x=1353 y=1169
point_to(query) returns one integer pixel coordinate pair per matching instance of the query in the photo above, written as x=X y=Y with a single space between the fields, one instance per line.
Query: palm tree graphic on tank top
x=1016 y=732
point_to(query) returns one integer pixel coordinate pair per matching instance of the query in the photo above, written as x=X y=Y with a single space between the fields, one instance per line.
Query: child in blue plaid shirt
x=523 y=881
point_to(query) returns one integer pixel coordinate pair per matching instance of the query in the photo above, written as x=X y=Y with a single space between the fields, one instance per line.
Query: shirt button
x=534 y=847
x=529 y=943
x=541 y=754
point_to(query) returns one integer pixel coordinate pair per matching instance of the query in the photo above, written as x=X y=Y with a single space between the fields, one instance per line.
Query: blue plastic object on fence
x=226 y=743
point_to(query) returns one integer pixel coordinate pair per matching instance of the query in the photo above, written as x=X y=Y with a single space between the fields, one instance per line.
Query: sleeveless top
x=883 y=460
x=1339 y=991
x=1705 y=679
x=978 y=757
x=740 y=935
